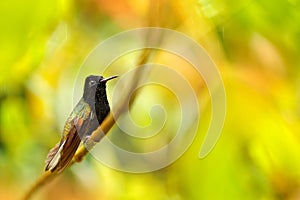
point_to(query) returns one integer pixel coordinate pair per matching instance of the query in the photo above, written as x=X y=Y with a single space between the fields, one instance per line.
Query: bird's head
x=90 y=86
x=93 y=83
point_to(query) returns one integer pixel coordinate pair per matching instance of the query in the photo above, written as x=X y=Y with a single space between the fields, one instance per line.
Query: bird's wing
x=60 y=156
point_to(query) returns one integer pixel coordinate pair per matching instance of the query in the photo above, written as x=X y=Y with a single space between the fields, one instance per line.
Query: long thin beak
x=109 y=78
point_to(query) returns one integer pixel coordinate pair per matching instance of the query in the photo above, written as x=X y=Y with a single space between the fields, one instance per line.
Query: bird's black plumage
x=101 y=104
x=90 y=111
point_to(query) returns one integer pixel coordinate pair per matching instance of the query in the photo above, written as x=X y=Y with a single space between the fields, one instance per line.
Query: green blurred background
x=255 y=45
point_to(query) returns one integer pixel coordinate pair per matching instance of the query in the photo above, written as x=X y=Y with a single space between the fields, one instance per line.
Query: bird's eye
x=92 y=83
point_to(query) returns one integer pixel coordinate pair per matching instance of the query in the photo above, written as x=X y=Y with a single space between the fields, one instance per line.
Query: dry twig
x=96 y=136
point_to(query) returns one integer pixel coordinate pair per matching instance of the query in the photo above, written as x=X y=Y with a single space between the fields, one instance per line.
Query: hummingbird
x=86 y=116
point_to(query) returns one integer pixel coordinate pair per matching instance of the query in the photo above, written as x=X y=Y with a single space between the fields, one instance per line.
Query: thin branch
x=96 y=136
x=44 y=178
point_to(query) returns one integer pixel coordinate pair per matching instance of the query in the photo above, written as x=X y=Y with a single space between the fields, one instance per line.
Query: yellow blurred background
x=255 y=45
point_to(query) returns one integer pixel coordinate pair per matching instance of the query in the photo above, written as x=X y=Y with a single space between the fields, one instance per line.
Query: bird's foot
x=89 y=143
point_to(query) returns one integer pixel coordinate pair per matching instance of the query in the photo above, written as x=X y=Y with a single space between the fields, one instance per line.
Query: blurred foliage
x=254 y=43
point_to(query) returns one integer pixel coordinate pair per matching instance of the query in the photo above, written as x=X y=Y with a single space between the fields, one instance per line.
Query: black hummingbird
x=89 y=112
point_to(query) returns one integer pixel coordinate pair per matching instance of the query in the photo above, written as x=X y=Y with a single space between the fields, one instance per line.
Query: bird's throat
x=101 y=104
